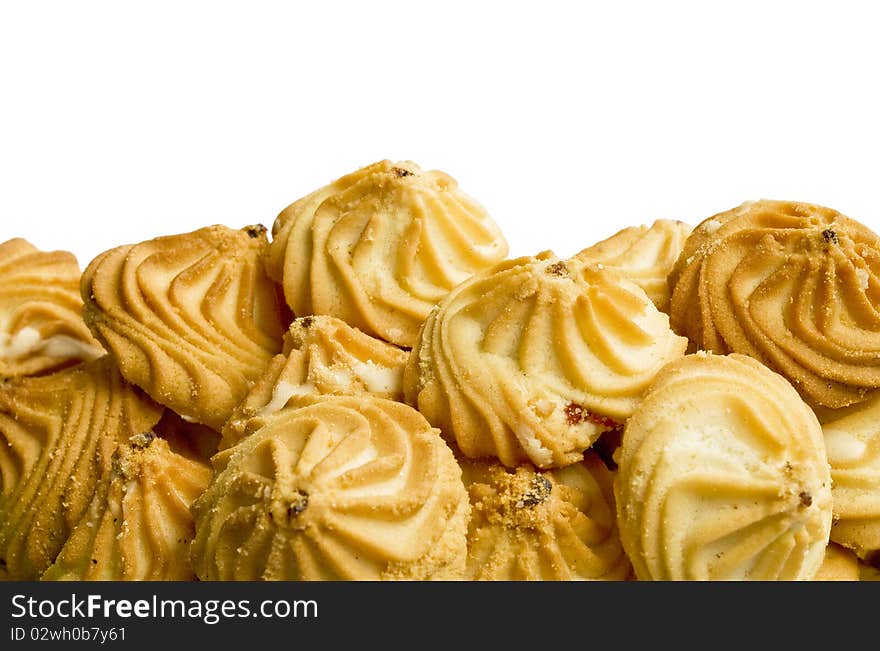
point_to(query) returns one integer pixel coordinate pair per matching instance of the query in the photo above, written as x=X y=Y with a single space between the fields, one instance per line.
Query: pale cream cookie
x=723 y=476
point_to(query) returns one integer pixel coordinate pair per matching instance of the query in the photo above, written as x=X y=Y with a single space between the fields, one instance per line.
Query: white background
x=121 y=121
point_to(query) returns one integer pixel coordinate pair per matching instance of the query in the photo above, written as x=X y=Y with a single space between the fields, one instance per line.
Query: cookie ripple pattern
x=794 y=285
x=192 y=318
x=322 y=355
x=852 y=440
x=58 y=434
x=644 y=254
x=533 y=360
x=41 y=326
x=380 y=247
x=341 y=488
x=138 y=526
x=554 y=525
x=723 y=476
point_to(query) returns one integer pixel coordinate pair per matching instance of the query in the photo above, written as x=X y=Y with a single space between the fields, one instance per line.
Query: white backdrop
x=120 y=121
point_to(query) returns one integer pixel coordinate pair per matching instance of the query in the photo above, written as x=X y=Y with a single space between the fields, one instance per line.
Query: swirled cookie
x=534 y=359
x=723 y=476
x=322 y=355
x=41 y=326
x=852 y=441
x=380 y=247
x=342 y=488
x=643 y=254
x=138 y=526
x=839 y=564
x=58 y=434
x=555 y=525
x=192 y=318
x=794 y=285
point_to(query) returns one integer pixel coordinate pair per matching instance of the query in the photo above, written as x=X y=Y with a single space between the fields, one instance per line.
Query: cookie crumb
x=557 y=269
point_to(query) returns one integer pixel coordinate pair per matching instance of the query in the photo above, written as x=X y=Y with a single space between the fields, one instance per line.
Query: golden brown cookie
x=380 y=247
x=534 y=359
x=342 y=488
x=643 y=254
x=322 y=355
x=192 y=318
x=852 y=441
x=555 y=525
x=138 y=526
x=839 y=564
x=58 y=435
x=723 y=476
x=794 y=285
x=41 y=326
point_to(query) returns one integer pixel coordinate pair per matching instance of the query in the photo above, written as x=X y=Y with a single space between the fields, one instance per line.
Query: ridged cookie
x=794 y=285
x=380 y=247
x=852 y=441
x=41 y=325
x=723 y=476
x=555 y=525
x=342 y=488
x=322 y=355
x=138 y=525
x=644 y=254
x=58 y=435
x=532 y=360
x=192 y=319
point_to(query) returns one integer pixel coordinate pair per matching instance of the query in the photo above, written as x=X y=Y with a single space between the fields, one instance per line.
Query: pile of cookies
x=376 y=391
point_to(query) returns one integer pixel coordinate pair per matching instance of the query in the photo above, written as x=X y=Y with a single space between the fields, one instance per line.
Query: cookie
x=41 y=325
x=341 y=488
x=533 y=360
x=644 y=254
x=723 y=476
x=322 y=355
x=794 y=285
x=554 y=525
x=380 y=247
x=192 y=319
